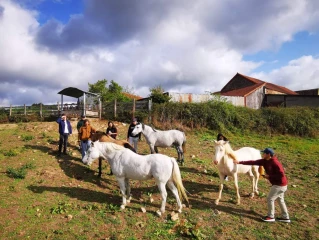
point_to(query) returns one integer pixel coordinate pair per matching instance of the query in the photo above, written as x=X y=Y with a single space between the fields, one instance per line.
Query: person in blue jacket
x=65 y=130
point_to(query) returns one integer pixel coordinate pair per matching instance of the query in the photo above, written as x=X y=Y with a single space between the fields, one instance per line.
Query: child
x=276 y=176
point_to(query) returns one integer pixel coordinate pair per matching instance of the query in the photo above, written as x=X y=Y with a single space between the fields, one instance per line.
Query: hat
x=134 y=120
x=82 y=116
x=268 y=151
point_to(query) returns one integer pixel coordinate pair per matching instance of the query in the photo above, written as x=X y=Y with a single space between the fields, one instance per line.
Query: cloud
x=299 y=74
x=184 y=46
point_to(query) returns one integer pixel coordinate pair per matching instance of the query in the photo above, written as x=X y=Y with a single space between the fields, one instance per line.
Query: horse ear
x=215 y=141
x=143 y=126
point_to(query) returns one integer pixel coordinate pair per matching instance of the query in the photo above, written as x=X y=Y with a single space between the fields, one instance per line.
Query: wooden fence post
x=150 y=110
x=115 y=108
x=133 y=108
x=41 y=111
x=10 y=112
x=25 y=110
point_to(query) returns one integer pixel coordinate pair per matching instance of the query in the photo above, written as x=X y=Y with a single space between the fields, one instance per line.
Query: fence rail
x=112 y=109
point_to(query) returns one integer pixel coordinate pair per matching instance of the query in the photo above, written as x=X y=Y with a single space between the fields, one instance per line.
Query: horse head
x=139 y=127
x=223 y=149
x=220 y=150
x=91 y=154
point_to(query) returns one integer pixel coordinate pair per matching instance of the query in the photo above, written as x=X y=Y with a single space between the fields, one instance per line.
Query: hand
x=235 y=161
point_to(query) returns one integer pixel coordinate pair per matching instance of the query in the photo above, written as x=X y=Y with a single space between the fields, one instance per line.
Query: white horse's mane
x=113 y=146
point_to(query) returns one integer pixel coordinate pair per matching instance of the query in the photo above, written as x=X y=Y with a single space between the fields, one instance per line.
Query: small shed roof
x=75 y=92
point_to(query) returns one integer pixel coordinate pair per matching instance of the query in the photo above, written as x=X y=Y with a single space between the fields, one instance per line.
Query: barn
x=252 y=91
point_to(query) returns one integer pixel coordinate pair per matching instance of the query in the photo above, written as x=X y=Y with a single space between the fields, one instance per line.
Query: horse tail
x=177 y=178
x=184 y=144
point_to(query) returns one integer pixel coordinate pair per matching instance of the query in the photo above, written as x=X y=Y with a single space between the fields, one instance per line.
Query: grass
x=60 y=198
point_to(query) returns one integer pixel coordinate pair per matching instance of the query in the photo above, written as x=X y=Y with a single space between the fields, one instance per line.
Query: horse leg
x=180 y=154
x=221 y=177
x=121 y=182
x=100 y=167
x=253 y=180
x=155 y=148
x=172 y=187
x=236 y=187
x=163 y=192
x=128 y=190
x=152 y=148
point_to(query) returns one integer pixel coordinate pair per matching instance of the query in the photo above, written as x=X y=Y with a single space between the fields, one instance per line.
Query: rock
x=69 y=217
x=143 y=209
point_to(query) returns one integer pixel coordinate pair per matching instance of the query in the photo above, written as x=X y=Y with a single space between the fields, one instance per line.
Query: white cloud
x=191 y=47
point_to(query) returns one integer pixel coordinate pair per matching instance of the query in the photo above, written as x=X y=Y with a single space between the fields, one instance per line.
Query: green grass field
x=45 y=197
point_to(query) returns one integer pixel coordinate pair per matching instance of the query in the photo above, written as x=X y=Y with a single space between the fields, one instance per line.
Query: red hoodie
x=273 y=168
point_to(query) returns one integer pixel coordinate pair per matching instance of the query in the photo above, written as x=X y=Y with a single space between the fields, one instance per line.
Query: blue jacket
x=62 y=126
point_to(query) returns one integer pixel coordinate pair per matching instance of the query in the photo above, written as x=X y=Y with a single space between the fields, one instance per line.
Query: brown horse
x=102 y=137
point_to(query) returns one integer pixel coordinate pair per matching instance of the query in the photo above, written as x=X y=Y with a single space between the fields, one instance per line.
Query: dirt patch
x=8 y=126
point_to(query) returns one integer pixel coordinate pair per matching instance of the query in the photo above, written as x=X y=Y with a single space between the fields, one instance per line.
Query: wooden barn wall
x=236 y=101
x=237 y=82
x=291 y=100
x=255 y=99
x=309 y=92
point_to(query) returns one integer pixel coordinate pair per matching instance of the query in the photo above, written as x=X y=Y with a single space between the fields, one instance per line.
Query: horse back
x=246 y=154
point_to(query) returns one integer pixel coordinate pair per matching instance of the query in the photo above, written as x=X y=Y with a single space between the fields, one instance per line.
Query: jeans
x=63 y=141
x=85 y=145
x=133 y=141
x=277 y=192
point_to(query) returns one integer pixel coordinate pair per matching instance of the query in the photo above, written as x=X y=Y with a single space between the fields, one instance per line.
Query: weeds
x=19 y=172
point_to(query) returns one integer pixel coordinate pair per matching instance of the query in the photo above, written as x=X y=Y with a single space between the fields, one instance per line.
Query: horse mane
x=115 y=147
x=229 y=151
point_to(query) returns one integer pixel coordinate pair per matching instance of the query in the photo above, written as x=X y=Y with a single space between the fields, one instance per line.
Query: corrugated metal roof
x=257 y=84
x=75 y=92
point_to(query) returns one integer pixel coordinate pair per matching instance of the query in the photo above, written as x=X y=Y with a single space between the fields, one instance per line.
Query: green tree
x=157 y=95
x=101 y=88
x=108 y=92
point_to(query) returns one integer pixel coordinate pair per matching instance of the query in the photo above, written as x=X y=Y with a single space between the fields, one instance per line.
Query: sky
x=184 y=46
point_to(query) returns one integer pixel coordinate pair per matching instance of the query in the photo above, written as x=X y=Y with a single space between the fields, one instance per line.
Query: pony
x=126 y=165
x=224 y=156
x=102 y=137
x=156 y=138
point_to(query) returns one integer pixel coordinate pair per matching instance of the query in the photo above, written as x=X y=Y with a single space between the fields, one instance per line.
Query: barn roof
x=257 y=83
x=75 y=92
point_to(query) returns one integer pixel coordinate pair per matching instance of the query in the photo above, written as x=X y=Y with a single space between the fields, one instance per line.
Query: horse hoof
x=158 y=213
x=217 y=202
x=179 y=210
x=122 y=207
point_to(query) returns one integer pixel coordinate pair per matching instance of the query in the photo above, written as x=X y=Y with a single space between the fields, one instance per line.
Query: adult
x=276 y=175
x=111 y=130
x=65 y=129
x=78 y=126
x=85 y=136
x=133 y=140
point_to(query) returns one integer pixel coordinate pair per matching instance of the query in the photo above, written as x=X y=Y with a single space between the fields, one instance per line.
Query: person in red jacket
x=276 y=175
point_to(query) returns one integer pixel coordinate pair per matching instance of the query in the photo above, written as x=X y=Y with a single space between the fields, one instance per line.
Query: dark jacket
x=273 y=168
x=130 y=130
x=62 y=125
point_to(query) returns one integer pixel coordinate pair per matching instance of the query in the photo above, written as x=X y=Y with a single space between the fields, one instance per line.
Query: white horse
x=126 y=164
x=156 y=138
x=224 y=156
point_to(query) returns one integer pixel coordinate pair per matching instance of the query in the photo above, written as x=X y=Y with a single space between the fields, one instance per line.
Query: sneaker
x=268 y=219
x=285 y=220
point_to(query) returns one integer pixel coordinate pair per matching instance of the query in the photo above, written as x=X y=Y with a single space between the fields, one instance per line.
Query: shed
x=86 y=102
